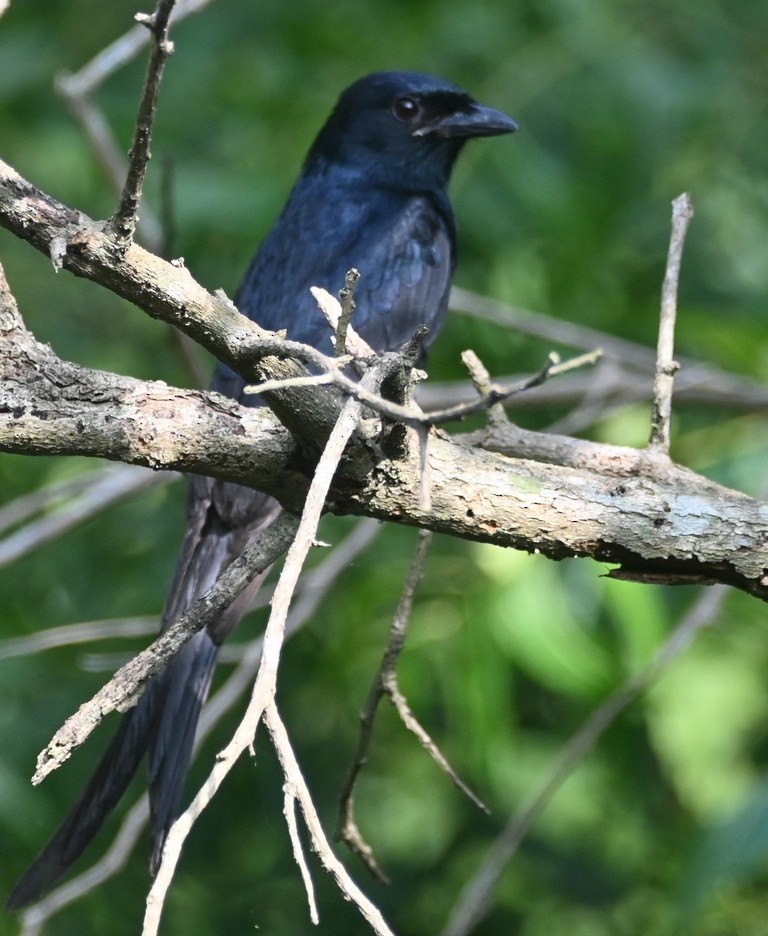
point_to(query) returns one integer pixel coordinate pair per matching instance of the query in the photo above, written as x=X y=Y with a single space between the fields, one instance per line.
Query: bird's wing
x=405 y=275
x=402 y=244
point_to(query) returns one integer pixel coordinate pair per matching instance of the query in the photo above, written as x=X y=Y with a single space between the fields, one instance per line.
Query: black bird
x=371 y=195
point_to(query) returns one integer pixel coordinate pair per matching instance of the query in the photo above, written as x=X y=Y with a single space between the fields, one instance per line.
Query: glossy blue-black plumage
x=371 y=195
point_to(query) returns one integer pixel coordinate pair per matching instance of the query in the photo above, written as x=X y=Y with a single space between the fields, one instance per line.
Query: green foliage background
x=664 y=828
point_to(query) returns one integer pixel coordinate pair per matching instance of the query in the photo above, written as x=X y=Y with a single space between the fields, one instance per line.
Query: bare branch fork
x=262 y=704
x=385 y=684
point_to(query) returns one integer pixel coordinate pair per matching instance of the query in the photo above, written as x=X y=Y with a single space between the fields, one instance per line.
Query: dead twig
x=354 y=345
x=497 y=394
x=666 y=366
x=385 y=684
x=347 y=299
x=123 y=222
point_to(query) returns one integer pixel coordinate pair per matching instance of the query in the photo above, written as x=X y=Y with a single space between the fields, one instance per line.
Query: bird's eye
x=405 y=109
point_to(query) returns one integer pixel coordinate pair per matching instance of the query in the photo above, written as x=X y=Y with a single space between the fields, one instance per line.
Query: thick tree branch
x=657 y=521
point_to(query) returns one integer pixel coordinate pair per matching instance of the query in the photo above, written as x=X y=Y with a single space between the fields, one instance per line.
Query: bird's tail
x=164 y=720
x=98 y=799
x=223 y=518
x=185 y=688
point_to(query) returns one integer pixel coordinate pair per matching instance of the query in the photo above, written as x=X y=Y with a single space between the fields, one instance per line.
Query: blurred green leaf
x=733 y=849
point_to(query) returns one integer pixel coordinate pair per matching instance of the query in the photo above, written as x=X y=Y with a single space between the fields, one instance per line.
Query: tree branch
x=123 y=222
x=550 y=494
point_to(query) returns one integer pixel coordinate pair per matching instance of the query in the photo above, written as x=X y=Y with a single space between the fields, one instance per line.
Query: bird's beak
x=472 y=121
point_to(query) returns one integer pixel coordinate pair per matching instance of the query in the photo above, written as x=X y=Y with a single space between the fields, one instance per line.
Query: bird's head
x=404 y=129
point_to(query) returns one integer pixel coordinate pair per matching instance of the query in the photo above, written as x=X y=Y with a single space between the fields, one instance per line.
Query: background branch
x=474 y=901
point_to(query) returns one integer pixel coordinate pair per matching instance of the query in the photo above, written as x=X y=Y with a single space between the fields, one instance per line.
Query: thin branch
x=71 y=634
x=310 y=380
x=385 y=684
x=329 y=305
x=618 y=383
x=347 y=299
x=666 y=366
x=474 y=901
x=497 y=394
x=123 y=223
x=290 y=797
x=410 y=721
x=314 y=586
x=120 y=692
x=481 y=381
